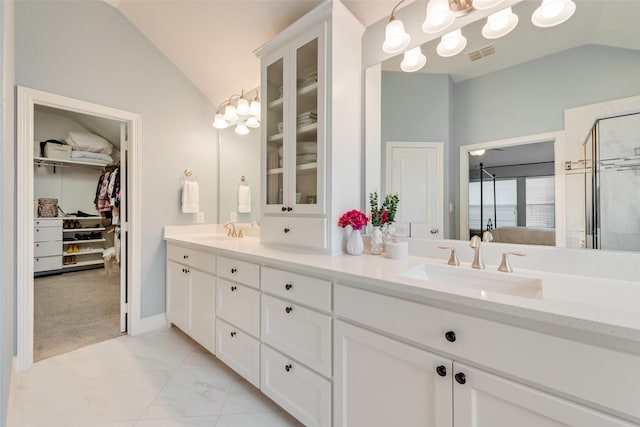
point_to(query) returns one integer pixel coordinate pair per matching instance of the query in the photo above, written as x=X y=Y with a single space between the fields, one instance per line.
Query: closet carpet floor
x=75 y=309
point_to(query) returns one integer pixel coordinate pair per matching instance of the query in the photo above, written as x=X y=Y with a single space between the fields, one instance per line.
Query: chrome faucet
x=453 y=259
x=505 y=266
x=231 y=226
x=477 y=257
x=487 y=236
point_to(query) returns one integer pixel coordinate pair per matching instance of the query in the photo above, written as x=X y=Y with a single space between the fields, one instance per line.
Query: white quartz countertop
x=593 y=305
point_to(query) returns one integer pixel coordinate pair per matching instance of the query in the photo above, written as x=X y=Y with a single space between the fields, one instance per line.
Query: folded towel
x=244 y=199
x=190 y=197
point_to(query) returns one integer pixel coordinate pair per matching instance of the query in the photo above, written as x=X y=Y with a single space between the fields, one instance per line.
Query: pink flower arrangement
x=354 y=218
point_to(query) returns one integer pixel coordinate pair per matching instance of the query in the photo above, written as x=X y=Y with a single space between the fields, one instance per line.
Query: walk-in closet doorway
x=90 y=249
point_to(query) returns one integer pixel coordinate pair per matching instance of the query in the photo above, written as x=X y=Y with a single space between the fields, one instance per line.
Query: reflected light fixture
x=485 y=4
x=241 y=128
x=396 y=38
x=477 y=153
x=553 y=12
x=438 y=18
x=247 y=115
x=451 y=44
x=500 y=24
x=253 y=122
x=413 y=60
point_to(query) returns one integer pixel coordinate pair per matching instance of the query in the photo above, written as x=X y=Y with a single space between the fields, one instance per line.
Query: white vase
x=377 y=243
x=354 y=241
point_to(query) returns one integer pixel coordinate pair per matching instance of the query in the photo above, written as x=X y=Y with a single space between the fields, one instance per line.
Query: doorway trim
x=27 y=98
x=558 y=139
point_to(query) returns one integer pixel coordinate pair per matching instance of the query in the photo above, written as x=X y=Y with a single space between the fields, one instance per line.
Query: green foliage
x=387 y=212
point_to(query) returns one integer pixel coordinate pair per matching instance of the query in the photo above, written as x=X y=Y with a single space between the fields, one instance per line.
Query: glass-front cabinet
x=294 y=123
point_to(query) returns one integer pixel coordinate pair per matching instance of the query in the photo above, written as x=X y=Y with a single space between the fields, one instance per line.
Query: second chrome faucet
x=477 y=256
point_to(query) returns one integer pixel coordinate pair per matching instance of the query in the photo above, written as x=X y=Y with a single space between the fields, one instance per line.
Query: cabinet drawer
x=299 y=332
x=47 y=234
x=301 y=392
x=196 y=259
x=297 y=287
x=41 y=249
x=47 y=263
x=239 y=305
x=43 y=223
x=241 y=352
x=293 y=231
x=239 y=271
x=569 y=367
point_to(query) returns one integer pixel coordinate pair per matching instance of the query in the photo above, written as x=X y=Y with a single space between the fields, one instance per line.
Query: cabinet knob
x=234 y=270
x=442 y=370
x=286 y=230
x=185 y=256
x=450 y=336
x=284 y=209
x=288 y=367
x=233 y=334
x=233 y=288
x=460 y=378
x=289 y=209
x=288 y=309
x=288 y=286
x=37 y=230
x=37 y=245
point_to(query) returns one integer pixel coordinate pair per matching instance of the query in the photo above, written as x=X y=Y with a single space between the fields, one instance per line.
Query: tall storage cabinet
x=311 y=143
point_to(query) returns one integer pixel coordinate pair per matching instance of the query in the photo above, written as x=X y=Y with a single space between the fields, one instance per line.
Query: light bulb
x=243 y=107
x=485 y=4
x=241 y=129
x=253 y=122
x=451 y=44
x=553 y=12
x=477 y=153
x=230 y=114
x=219 y=122
x=500 y=24
x=413 y=60
x=254 y=108
x=396 y=38
x=438 y=17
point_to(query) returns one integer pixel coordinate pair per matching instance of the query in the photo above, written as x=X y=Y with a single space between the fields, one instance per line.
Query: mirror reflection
x=517 y=94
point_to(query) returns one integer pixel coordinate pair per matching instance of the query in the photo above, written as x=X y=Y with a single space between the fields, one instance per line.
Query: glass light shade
x=219 y=122
x=553 y=12
x=254 y=108
x=243 y=107
x=230 y=114
x=253 y=122
x=500 y=24
x=485 y=4
x=396 y=37
x=477 y=153
x=413 y=60
x=439 y=17
x=241 y=129
x=451 y=44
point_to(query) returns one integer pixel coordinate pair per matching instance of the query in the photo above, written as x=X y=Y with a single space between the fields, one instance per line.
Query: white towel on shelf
x=244 y=199
x=190 y=197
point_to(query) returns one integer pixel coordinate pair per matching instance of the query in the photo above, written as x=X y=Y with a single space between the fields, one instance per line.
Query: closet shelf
x=87 y=252
x=45 y=161
x=74 y=217
x=83 y=263
x=306 y=130
x=73 y=242
x=69 y=230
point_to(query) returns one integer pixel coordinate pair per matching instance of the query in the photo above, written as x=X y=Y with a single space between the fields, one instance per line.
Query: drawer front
x=41 y=249
x=196 y=259
x=47 y=234
x=47 y=263
x=42 y=223
x=239 y=305
x=239 y=351
x=239 y=271
x=300 y=391
x=292 y=231
x=570 y=367
x=298 y=332
x=297 y=287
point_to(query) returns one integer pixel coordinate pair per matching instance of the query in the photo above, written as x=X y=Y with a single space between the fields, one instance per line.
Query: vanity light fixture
x=451 y=44
x=242 y=107
x=439 y=17
x=241 y=128
x=396 y=38
x=485 y=4
x=246 y=115
x=553 y=12
x=413 y=60
x=231 y=114
x=500 y=24
x=477 y=153
x=253 y=122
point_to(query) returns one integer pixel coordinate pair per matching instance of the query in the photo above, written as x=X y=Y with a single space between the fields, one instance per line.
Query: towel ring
x=189 y=174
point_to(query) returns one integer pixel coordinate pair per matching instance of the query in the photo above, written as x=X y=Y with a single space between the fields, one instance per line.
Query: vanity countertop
x=604 y=307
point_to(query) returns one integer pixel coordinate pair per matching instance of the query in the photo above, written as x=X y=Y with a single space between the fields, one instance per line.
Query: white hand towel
x=190 y=197
x=244 y=199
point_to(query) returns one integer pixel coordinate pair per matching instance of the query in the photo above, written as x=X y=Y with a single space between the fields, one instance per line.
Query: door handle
x=434 y=231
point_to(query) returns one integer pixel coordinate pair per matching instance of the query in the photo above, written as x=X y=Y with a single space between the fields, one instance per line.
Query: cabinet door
x=382 y=382
x=482 y=399
x=202 y=314
x=178 y=295
x=240 y=351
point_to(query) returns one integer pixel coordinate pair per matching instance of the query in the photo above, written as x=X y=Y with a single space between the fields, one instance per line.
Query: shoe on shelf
x=77 y=224
x=73 y=259
x=66 y=261
x=69 y=249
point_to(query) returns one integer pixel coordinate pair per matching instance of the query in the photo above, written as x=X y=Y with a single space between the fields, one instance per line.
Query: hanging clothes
x=107 y=200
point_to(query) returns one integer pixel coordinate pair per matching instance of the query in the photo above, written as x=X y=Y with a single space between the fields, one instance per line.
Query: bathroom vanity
x=364 y=340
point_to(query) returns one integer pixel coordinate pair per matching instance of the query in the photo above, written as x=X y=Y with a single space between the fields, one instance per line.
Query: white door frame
x=27 y=98
x=439 y=147
x=558 y=139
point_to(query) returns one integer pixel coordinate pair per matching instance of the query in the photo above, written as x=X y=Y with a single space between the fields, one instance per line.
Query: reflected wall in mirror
x=517 y=94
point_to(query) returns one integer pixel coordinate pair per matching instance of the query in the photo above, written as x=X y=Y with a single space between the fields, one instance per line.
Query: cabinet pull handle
x=289 y=209
x=288 y=367
x=186 y=271
x=233 y=334
x=288 y=286
x=234 y=270
x=288 y=309
x=450 y=336
x=460 y=378
x=233 y=288
x=185 y=256
x=284 y=209
x=442 y=370
x=286 y=230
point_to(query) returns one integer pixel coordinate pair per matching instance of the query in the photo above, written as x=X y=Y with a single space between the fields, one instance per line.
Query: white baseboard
x=152 y=323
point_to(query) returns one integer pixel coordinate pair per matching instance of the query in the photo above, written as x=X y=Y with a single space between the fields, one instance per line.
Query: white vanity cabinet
x=191 y=285
x=311 y=92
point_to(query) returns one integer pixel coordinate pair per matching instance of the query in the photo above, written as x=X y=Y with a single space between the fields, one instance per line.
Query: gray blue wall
x=89 y=51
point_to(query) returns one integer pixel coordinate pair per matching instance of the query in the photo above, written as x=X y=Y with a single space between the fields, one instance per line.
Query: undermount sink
x=209 y=237
x=482 y=280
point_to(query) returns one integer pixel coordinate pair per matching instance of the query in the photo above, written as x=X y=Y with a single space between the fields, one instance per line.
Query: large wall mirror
x=532 y=100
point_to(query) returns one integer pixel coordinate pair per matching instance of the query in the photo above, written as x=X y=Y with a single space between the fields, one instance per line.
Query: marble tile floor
x=158 y=379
